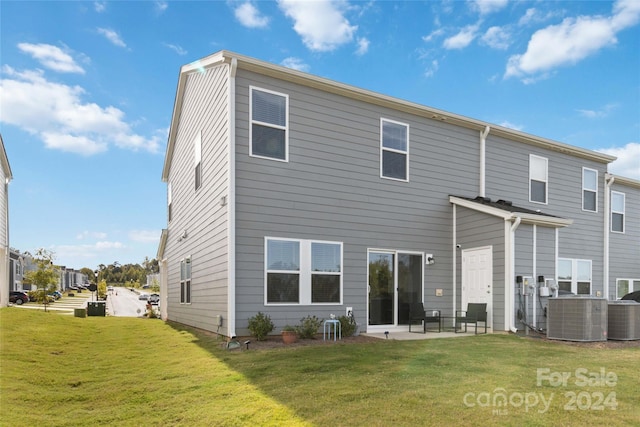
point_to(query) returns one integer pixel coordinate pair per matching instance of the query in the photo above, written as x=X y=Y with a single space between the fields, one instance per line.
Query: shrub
x=260 y=325
x=348 y=327
x=308 y=327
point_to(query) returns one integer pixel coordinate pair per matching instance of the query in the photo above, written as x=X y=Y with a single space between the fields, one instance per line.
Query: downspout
x=455 y=257
x=512 y=267
x=608 y=182
x=231 y=204
x=483 y=167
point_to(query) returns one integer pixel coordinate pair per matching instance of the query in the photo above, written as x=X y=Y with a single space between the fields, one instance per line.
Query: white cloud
x=51 y=57
x=161 y=6
x=363 y=46
x=176 y=48
x=506 y=124
x=250 y=16
x=295 y=63
x=598 y=114
x=91 y=234
x=433 y=35
x=497 y=38
x=628 y=162
x=488 y=6
x=321 y=24
x=100 y=6
x=112 y=36
x=62 y=119
x=145 y=236
x=572 y=40
x=432 y=68
x=462 y=39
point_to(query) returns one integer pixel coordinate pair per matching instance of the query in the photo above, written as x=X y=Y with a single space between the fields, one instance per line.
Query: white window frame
x=633 y=285
x=169 y=202
x=574 y=274
x=197 y=160
x=393 y=150
x=185 y=281
x=624 y=204
x=305 y=272
x=591 y=190
x=546 y=178
x=272 y=125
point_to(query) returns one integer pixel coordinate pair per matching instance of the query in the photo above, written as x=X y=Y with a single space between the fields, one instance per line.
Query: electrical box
x=218 y=320
x=543 y=291
x=527 y=285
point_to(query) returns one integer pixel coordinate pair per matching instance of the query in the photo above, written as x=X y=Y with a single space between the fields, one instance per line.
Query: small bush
x=260 y=326
x=308 y=327
x=348 y=328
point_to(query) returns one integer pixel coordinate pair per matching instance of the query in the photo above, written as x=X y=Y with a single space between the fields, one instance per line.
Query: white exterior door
x=477 y=279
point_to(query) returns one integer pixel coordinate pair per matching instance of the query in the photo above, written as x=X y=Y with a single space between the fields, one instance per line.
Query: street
x=123 y=302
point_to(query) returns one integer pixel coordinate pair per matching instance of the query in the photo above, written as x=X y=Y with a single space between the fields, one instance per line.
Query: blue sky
x=87 y=90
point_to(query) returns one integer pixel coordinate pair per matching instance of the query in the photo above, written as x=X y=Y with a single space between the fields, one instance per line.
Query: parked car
x=154 y=299
x=56 y=294
x=143 y=297
x=18 y=297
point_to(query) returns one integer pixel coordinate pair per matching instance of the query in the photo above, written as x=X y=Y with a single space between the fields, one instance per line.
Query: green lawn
x=59 y=370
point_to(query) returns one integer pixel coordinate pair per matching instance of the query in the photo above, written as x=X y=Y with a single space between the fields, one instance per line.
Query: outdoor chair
x=417 y=313
x=474 y=314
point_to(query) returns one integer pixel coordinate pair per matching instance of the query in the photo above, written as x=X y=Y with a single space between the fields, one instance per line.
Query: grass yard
x=58 y=370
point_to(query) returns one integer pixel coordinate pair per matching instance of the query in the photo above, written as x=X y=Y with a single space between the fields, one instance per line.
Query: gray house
x=5 y=177
x=294 y=195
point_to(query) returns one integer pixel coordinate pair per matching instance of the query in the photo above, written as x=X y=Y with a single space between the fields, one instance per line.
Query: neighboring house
x=17 y=263
x=5 y=177
x=294 y=195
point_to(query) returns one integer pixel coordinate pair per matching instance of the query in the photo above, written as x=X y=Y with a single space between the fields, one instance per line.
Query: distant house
x=5 y=177
x=295 y=195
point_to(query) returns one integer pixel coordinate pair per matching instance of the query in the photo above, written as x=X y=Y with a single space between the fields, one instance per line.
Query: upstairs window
x=589 y=190
x=169 y=201
x=269 y=124
x=617 y=212
x=197 y=149
x=394 y=147
x=185 y=281
x=625 y=286
x=538 y=178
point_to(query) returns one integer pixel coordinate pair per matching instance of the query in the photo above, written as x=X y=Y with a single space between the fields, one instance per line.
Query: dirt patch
x=275 y=341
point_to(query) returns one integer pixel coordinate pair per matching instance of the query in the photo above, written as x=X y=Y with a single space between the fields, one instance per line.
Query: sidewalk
x=64 y=305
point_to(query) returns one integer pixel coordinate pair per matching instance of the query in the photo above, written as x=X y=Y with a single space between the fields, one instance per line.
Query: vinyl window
x=394 y=150
x=302 y=271
x=574 y=275
x=269 y=132
x=625 y=286
x=197 y=149
x=185 y=281
x=538 y=178
x=617 y=212
x=589 y=190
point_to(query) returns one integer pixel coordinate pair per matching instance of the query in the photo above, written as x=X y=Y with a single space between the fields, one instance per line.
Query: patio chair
x=417 y=312
x=475 y=313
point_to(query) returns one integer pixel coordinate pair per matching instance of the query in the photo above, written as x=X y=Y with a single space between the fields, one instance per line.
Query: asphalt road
x=123 y=302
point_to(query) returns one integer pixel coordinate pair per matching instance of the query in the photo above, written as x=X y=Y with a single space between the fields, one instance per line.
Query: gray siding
x=624 y=253
x=476 y=229
x=508 y=178
x=200 y=213
x=331 y=190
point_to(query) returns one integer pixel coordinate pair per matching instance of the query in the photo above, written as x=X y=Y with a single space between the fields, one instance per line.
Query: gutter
x=483 y=166
x=512 y=267
x=608 y=182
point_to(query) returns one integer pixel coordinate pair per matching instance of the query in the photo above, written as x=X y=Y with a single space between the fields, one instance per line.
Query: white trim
x=623 y=212
x=394 y=150
x=584 y=169
x=271 y=125
x=304 y=272
x=608 y=182
x=546 y=179
x=231 y=203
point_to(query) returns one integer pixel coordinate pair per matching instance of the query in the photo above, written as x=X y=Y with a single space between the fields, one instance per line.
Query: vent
x=624 y=320
x=577 y=319
x=505 y=202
